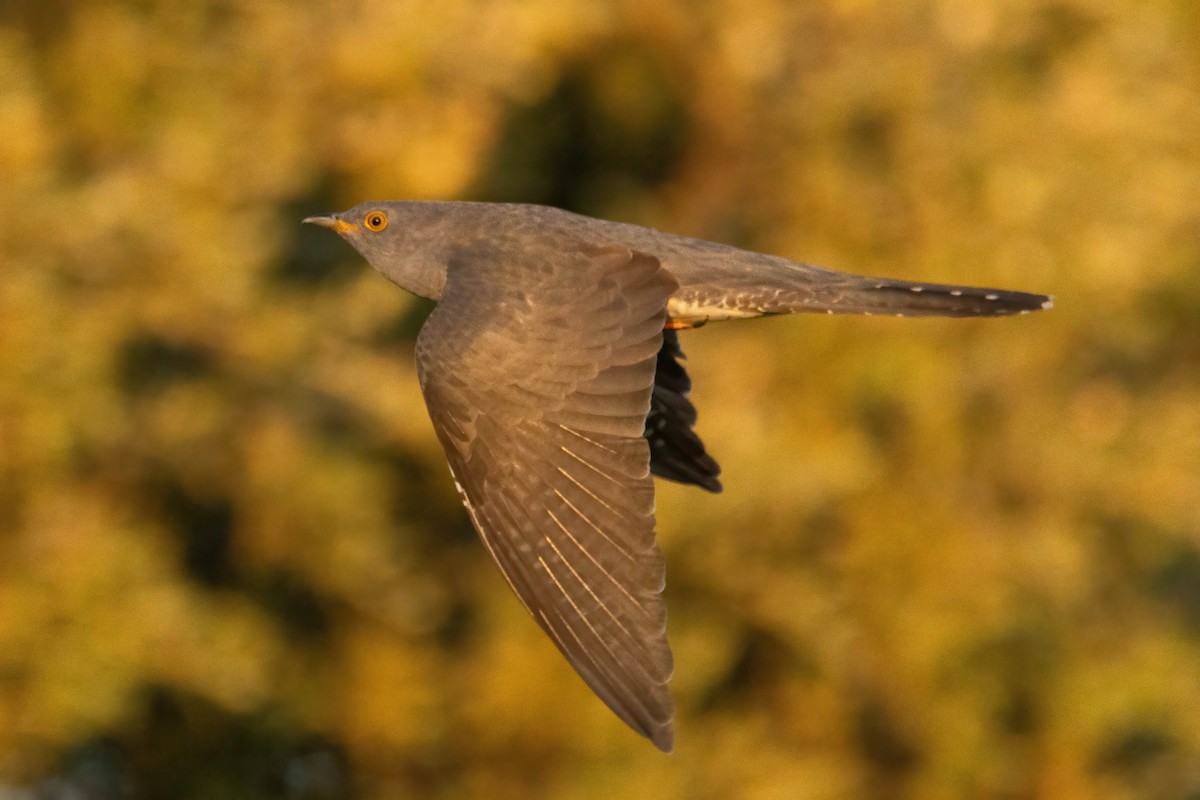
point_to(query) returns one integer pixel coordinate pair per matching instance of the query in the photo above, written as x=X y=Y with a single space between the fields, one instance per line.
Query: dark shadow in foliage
x=1056 y=31
x=185 y=747
x=148 y=362
x=887 y=421
x=332 y=420
x=1018 y=665
x=44 y=21
x=1148 y=762
x=1134 y=748
x=204 y=527
x=1139 y=556
x=424 y=493
x=459 y=626
x=440 y=535
x=764 y=662
x=1176 y=582
x=869 y=139
x=820 y=542
x=616 y=122
x=299 y=610
x=1169 y=316
x=95 y=770
x=881 y=741
x=1172 y=312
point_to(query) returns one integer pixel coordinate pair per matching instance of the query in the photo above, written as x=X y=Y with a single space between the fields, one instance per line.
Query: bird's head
x=398 y=240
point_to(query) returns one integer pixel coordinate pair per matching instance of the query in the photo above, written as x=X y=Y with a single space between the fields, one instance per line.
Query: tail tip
x=1047 y=303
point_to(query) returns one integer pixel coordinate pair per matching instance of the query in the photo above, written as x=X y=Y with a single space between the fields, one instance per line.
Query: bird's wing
x=676 y=452
x=539 y=394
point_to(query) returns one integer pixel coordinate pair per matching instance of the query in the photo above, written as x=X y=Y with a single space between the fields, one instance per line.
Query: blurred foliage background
x=954 y=559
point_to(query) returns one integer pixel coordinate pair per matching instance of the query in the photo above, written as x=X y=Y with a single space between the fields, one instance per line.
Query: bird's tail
x=753 y=284
x=886 y=296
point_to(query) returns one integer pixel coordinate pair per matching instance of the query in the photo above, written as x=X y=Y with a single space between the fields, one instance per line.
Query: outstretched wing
x=538 y=386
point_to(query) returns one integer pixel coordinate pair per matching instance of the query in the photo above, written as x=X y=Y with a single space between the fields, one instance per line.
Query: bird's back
x=723 y=282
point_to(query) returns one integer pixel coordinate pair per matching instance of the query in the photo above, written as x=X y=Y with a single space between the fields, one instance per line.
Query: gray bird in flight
x=551 y=370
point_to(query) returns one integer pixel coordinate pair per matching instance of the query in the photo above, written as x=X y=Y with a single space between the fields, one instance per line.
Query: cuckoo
x=552 y=372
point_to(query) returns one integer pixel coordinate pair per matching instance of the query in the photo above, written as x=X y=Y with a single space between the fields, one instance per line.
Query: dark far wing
x=541 y=410
x=676 y=452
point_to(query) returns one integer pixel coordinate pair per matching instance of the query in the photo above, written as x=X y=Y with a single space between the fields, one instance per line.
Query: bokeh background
x=953 y=559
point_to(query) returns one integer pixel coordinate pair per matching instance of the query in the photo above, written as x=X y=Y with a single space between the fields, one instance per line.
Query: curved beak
x=331 y=221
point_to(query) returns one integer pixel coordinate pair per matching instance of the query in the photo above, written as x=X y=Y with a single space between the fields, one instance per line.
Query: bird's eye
x=375 y=221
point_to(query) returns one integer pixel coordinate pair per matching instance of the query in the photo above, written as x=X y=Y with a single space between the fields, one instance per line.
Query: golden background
x=953 y=559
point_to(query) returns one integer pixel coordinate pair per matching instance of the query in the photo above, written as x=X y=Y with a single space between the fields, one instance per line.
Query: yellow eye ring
x=375 y=221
